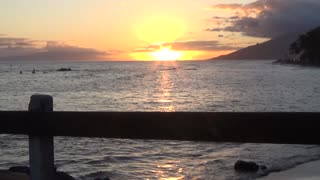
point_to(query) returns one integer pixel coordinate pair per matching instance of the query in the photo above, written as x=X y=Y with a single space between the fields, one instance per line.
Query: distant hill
x=272 y=49
x=305 y=50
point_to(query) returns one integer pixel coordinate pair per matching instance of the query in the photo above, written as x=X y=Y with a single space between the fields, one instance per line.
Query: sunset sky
x=146 y=29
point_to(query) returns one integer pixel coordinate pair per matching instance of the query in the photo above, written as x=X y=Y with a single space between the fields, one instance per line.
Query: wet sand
x=307 y=171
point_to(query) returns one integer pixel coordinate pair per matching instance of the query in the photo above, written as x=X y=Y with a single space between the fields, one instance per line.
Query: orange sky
x=123 y=29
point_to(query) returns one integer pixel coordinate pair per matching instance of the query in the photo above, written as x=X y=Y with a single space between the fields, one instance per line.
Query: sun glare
x=166 y=54
x=159 y=29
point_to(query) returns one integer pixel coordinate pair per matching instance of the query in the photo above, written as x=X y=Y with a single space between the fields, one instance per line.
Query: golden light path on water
x=171 y=166
x=166 y=170
x=166 y=84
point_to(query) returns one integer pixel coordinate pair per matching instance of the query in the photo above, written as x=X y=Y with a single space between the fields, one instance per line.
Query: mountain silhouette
x=272 y=49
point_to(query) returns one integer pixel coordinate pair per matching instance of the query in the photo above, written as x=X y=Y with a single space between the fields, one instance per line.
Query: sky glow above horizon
x=136 y=29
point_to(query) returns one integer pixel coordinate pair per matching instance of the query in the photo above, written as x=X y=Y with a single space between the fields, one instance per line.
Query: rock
x=20 y=169
x=102 y=178
x=64 y=69
x=59 y=175
x=8 y=175
x=263 y=167
x=63 y=176
x=244 y=166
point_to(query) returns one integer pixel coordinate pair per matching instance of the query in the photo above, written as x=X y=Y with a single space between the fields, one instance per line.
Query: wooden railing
x=42 y=125
x=285 y=128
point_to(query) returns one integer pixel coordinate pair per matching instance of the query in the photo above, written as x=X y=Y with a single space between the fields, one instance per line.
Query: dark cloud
x=190 y=46
x=270 y=18
x=60 y=51
x=15 y=42
x=200 y=46
x=26 y=49
x=16 y=46
x=234 y=17
x=228 y=6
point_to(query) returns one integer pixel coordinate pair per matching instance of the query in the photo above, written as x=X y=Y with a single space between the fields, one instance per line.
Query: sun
x=166 y=54
x=157 y=30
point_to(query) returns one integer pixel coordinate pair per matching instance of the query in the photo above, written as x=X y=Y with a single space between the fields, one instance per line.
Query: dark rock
x=244 y=166
x=63 y=176
x=64 y=69
x=263 y=167
x=26 y=170
x=102 y=178
x=20 y=169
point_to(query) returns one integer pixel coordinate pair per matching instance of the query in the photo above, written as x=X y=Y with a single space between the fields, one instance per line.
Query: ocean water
x=216 y=86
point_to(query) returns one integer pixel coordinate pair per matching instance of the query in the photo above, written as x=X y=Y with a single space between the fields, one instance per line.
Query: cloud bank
x=269 y=18
x=27 y=49
x=190 y=46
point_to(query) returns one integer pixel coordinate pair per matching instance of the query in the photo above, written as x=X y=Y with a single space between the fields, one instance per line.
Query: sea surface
x=213 y=86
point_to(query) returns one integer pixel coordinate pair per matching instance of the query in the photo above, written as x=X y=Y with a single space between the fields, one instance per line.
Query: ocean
x=209 y=86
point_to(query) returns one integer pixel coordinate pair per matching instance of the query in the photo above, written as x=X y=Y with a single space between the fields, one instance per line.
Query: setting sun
x=166 y=54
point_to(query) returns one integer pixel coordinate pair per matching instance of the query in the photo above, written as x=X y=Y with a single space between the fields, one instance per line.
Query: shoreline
x=305 y=171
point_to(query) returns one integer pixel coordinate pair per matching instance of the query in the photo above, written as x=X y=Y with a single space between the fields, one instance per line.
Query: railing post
x=41 y=150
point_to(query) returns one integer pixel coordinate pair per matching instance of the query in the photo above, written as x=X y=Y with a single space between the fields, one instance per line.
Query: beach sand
x=308 y=171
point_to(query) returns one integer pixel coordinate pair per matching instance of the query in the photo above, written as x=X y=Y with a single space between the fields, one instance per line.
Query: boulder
x=63 y=176
x=59 y=175
x=246 y=166
x=8 y=175
x=20 y=169
x=263 y=167
x=64 y=69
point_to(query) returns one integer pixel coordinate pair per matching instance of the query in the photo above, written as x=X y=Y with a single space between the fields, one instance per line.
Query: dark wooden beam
x=285 y=128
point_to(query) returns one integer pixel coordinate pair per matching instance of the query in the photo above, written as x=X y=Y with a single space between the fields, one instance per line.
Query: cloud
x=61 y=51
x=269 y=18
x=200 y=46
x=190 y=46
x=17 y=46
x=27 y=49
x=15 y=42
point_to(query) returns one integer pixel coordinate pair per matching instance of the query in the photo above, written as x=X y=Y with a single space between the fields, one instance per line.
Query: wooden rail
x=42 y=124
x=285 y=128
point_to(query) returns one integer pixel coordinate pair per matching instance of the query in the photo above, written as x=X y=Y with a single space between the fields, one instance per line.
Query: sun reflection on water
x=165 y=86
x=173 y=178
x=169 y=170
